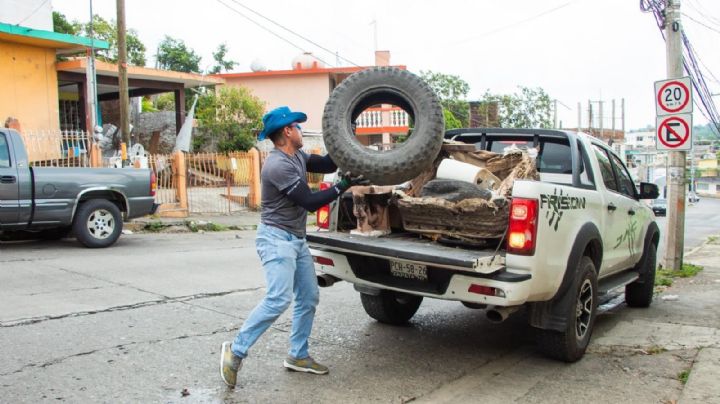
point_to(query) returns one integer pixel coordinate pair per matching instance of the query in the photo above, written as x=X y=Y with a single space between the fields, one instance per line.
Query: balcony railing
x=380 y=120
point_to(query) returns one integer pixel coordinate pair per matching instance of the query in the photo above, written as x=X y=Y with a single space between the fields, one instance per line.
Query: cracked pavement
x=144 y=320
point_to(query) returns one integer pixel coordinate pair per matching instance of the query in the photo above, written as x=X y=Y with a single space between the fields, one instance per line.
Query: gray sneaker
x=230 y=364
x=307 y=365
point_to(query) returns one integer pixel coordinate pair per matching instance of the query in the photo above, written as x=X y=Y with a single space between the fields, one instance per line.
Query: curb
x=702 y=386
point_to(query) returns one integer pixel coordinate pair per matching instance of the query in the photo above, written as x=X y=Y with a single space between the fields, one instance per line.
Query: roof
x=47 y=39
x=136 y=72
x=293 y=72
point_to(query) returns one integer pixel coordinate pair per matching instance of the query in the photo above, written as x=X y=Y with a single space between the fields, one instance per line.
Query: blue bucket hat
x=279 y=118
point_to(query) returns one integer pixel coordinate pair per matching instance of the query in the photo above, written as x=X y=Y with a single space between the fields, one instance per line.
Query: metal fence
x=57 y=148
x=218 y=182
x=165 y=172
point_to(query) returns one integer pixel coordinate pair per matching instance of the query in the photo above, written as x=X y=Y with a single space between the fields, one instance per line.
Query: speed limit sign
x=673 y=96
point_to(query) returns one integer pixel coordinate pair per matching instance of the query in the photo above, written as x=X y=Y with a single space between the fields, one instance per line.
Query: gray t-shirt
x=279 y=172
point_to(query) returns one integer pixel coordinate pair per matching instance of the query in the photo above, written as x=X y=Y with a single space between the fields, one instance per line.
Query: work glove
x=348 y=180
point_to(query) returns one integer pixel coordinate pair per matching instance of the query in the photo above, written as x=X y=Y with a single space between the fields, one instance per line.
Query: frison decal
x=558 y=203
x=629 y=236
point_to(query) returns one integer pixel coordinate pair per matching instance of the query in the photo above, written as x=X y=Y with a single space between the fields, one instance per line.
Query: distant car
x=659 y=207
x=693 y=198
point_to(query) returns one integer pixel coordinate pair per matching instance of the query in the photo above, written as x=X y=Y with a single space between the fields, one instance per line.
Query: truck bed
x=410 y=247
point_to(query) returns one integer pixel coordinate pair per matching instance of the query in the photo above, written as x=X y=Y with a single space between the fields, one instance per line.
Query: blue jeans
x=289 y=270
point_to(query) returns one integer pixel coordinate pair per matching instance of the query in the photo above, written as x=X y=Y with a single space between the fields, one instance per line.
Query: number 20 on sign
x=673 y=96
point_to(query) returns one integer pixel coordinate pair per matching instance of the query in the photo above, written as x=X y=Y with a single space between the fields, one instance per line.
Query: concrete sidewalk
x=245 y=220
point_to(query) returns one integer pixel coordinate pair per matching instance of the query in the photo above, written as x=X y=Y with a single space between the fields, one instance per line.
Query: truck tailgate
x=409 y=247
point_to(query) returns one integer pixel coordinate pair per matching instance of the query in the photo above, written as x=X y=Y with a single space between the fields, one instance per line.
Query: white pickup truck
x=577 y=233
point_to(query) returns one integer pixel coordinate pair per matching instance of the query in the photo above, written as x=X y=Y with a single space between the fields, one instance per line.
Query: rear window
x=4 y=152
x=554 y=157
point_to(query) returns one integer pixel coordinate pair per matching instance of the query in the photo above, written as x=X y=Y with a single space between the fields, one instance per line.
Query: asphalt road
x=144 y=320
x=702 y=220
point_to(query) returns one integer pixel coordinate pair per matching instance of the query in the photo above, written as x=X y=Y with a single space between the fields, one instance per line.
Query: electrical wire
x=701 y=23
x=33 y=13
x=293 y=32
x=514 y=24
x=270 y=31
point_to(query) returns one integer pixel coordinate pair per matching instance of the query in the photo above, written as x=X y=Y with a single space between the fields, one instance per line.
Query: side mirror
x=649 y=190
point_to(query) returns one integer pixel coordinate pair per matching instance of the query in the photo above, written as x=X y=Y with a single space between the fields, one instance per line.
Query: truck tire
x=97 y=223
x=383 y=85
x=391 y=307
x=570 y=344
x=640 y=293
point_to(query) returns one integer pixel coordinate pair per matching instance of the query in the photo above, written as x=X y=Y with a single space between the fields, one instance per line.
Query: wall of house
x=301 y=92
x=29 y=86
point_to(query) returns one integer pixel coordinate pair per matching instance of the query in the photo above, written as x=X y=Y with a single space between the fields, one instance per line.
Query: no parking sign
x=674 y=132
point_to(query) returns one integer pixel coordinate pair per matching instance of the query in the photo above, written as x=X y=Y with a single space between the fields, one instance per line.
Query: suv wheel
x=391 y=307
x=570 y=344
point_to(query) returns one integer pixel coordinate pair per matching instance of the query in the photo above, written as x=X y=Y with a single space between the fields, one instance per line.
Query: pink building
x=307 y=87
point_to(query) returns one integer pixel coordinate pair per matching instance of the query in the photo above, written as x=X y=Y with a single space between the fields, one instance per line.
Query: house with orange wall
x=307 y=86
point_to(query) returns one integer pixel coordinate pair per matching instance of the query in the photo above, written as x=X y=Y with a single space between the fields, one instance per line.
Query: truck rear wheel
x=391 y=307
x=97 y=223
x=570 y=344
x=640 y=293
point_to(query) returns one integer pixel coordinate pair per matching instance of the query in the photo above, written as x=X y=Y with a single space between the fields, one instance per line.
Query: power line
x=268 y=30
x=292 y=32
x=701 y=23
x=33 y=13
x=531 y=18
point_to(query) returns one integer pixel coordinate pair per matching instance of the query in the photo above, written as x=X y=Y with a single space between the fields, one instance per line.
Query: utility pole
x=124 y=99
x=675 y=239
x=579 y=117
x=555 y=122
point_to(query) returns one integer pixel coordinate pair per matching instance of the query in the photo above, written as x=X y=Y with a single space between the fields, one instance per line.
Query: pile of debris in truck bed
x=463 y=196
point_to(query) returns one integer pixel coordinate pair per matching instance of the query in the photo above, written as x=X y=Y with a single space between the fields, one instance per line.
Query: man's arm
x=301 y=195
x=321 y=164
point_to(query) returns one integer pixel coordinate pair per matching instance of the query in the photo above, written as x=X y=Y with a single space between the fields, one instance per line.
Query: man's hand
x=348 y=180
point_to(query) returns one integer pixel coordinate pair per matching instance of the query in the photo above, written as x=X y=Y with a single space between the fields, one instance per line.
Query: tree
x=173 y=54
x=228 y=117
x=63 y=26
x=452 y=91
x=107 y=31
x=531 y=108
x=220 y=62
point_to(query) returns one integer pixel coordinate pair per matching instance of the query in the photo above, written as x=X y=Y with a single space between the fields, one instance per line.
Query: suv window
x=606 y=169
x=626 y=184
x=4 y=152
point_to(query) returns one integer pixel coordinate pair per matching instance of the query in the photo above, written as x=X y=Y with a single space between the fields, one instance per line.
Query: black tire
x=453 y=190
x=391 y=307
x=97 y=223
x=640 y=293
x=377 y=86
x=570 y=344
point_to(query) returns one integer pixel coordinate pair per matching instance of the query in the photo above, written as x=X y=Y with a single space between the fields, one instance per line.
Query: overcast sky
x=574 y=49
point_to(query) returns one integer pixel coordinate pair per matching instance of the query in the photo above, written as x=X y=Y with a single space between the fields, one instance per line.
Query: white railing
x=382 y=117
x=55 y=148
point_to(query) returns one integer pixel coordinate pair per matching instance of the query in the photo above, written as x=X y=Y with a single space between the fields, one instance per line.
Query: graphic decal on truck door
x=629 y=236
x=558 y=203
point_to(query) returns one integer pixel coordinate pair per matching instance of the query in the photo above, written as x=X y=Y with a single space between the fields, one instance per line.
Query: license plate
x=408 y=270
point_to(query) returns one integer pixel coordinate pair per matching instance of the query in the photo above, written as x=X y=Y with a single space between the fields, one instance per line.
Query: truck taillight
x=153 y=183
x=323 y=214
x=522 y=229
